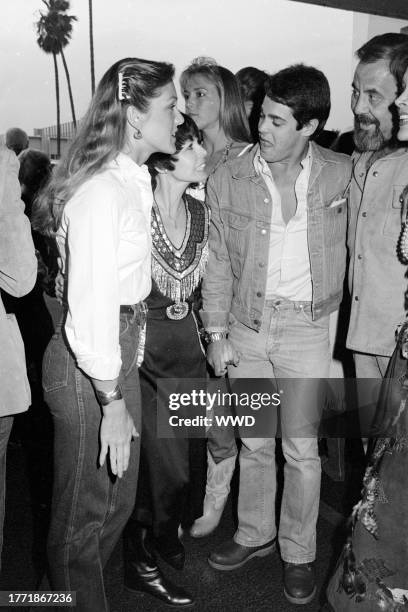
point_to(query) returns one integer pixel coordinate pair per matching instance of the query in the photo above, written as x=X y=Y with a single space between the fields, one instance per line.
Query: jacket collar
x=244 y=166
x=393 y=154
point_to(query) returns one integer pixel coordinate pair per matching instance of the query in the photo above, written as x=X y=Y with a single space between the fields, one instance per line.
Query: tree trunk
x=57 y=94
x=91 y=44
x=71 y=99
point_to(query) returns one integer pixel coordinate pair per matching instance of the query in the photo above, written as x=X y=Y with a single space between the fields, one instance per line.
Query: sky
x=268 y=34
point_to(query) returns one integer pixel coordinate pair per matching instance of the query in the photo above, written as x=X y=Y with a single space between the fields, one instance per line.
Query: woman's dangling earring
x=137 y=134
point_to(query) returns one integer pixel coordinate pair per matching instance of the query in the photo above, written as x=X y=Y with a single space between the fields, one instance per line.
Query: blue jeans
x=6 y=423
x=290 y=345
x=90 y=506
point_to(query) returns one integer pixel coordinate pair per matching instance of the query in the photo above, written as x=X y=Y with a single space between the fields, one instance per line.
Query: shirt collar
x=261 y=165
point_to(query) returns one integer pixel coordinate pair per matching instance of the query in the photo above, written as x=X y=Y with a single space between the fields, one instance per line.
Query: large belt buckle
x=177 y=311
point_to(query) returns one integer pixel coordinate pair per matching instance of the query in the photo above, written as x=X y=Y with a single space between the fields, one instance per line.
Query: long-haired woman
x=213 y=100
x=98 y=206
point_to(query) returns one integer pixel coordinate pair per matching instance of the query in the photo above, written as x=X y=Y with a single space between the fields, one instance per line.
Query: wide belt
x=173 y=312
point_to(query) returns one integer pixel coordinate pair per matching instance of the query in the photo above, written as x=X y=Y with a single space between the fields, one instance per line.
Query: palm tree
x=91 y=44
x=54 y=30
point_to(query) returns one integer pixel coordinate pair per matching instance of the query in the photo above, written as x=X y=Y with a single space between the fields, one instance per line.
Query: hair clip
x=121 y=85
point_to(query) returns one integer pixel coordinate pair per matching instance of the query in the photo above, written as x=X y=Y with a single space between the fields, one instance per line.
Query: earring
x=137 y=134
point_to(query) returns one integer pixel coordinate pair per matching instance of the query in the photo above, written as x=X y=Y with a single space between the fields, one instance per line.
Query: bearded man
x=380 y=172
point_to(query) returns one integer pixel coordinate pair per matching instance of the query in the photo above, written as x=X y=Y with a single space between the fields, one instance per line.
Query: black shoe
x=299 y=582
x=141 y=570
x=231 y=556
x=150 y=580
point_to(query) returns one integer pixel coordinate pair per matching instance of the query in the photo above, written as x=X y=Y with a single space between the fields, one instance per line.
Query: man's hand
x=220 y=354
x=116 y=433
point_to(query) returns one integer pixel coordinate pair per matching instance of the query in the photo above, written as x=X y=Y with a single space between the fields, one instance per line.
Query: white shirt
x=105 y=244
x=289 y=274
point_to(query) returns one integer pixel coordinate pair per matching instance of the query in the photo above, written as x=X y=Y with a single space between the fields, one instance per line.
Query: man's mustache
x=363 y=119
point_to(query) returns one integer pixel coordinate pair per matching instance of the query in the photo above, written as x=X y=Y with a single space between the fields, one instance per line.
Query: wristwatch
x=215 y=336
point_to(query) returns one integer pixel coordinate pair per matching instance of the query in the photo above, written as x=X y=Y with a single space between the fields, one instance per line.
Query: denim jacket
x=241 y=208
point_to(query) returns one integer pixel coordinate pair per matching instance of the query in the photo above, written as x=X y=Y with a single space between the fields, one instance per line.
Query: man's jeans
x=90 y=506
x=289 y=345
x=6 y=423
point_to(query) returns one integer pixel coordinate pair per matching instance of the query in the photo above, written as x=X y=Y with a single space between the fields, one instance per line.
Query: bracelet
x=106 y=397
x=215 y=336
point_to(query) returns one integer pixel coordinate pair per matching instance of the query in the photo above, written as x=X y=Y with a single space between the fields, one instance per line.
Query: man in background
x=377 y=279
x=16 y=140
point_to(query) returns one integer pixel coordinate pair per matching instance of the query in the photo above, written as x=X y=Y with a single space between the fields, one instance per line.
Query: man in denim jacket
x=275 y=273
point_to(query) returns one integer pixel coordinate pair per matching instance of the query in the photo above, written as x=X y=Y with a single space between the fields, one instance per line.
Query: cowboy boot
x=216 y=494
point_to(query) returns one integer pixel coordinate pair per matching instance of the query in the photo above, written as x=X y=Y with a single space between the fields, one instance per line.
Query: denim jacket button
x=263 y=232
x=256 y=322
x=375 y=173
x=261 y=264
x=266 y=200
x=258 y=294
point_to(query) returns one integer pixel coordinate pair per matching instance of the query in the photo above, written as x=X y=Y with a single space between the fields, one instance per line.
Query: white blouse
x=105 y=245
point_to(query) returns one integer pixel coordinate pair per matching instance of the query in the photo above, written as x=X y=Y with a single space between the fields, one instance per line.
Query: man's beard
x=368 y=140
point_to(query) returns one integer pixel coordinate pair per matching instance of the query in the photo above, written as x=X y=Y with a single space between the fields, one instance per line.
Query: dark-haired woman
x=98 y=205
x=172 y=350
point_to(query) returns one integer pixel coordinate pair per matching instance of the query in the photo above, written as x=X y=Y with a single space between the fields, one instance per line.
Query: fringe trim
x=179 y=285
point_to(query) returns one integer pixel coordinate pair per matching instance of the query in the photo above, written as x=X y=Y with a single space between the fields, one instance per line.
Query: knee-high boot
x=142 y=572
x=216 y=494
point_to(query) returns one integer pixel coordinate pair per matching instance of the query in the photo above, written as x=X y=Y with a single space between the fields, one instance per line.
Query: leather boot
x=216 y=494
x=142 y=573
x=172 y=553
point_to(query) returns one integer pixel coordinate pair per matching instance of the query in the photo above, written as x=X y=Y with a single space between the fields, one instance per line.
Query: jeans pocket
x=55 y=365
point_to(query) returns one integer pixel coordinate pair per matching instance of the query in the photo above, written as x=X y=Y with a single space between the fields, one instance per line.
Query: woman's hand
x=116 y=433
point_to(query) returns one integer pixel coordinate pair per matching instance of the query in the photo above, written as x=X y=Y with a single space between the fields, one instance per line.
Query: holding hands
x=220 y=354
